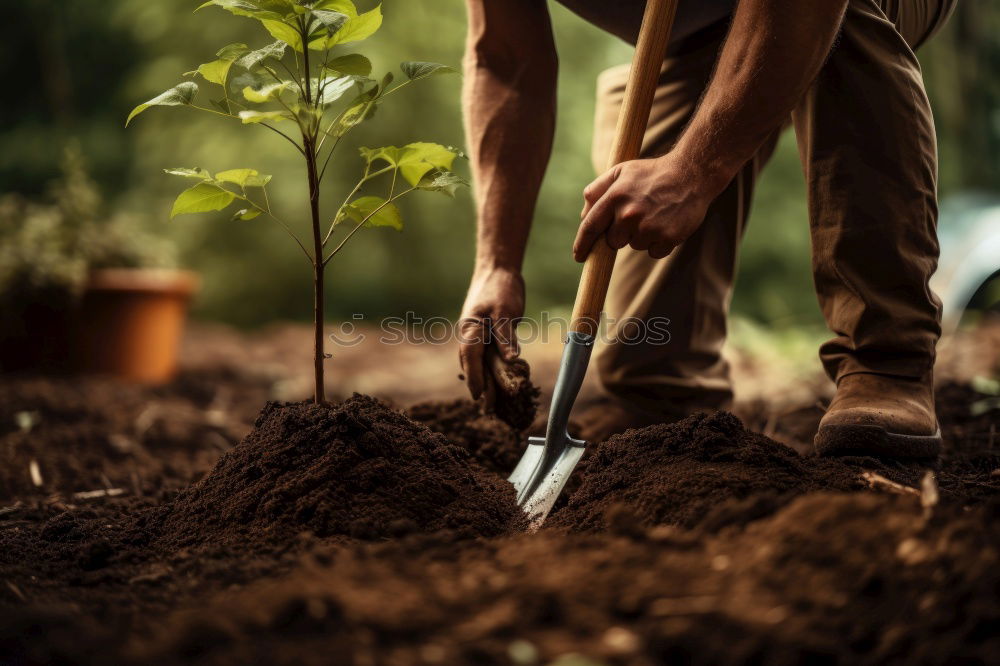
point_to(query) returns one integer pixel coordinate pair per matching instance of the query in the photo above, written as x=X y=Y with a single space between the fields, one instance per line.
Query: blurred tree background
x=75 y=68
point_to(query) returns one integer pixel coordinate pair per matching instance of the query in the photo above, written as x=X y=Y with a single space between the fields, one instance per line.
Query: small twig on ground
x=16 y=506
x=36 y=473
x=876 y=481
x=17 y=591
x=929 y=495
x=94 y=494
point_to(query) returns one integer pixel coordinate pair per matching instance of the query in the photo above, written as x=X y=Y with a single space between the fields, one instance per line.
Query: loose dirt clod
x=358 y=469
x=509 y=392
x=678 y=474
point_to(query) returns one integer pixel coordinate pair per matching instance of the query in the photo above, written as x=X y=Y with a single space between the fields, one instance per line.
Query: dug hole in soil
x=361 y=534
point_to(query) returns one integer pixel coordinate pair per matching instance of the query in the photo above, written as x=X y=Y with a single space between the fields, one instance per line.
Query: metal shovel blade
x=539 y=503
x=546 y=465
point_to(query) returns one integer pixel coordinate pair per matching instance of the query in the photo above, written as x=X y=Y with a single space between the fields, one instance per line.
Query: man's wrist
x=493 y=264
x=711 y=171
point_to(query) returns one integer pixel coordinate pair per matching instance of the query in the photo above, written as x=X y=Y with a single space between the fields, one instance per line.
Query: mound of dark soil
x=678 y=474
x=358 y=469
x=494 y=444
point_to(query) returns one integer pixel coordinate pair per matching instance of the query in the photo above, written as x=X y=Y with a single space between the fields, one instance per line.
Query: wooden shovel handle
x=649 y=51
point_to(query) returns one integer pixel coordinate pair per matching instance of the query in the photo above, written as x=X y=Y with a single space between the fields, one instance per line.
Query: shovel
x=548 y=461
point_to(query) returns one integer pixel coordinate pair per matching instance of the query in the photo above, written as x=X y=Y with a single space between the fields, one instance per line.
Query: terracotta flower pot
x=130 y=323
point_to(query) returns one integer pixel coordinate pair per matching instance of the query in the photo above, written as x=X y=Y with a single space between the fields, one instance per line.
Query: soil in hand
x=515 y=398
x=357 y=469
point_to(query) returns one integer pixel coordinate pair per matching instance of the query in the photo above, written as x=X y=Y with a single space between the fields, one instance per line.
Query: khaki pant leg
x=866 y=138
x=692 y=287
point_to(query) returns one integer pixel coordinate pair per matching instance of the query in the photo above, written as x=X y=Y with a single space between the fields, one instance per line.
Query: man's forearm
x=509 y=103
x=774 y=50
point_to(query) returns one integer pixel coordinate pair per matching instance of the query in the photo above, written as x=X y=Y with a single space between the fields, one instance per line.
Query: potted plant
x=309 y=95
x=84 y=291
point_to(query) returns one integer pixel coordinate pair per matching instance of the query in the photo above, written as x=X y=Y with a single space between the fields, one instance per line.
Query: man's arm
x=774 y=51
x=510 y=108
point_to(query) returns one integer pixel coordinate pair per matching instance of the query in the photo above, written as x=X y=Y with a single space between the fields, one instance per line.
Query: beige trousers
x=866 y=141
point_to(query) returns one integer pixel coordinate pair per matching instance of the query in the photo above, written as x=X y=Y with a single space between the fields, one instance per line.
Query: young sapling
x=301 y=81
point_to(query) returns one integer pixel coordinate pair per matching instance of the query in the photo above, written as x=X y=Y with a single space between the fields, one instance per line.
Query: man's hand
x=493 y=306
x=651 y=205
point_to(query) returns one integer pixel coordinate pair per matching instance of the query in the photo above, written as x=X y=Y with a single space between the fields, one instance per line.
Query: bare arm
x=774 y=51
x=510 y=108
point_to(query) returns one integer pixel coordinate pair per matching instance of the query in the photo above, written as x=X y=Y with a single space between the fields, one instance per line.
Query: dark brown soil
x=492 y=442
x=355 y=535
x=357 y=469
x=515 y=400
x=677 y=474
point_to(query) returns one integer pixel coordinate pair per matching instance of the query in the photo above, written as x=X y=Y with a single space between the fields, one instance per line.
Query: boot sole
x=872 y=440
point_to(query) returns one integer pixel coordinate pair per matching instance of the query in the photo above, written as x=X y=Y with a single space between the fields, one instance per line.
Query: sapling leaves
x=275 y=51
x=284 y=32
x=414 y=161
x=199 y=173
x=421 y=70
x=267 y=92
x=374 y=212
x=334 y=87
x=446 y=182
x=253 y=117
x=357 y=28
x=202 y=198
x=258 y=9
x=217 y=71
x=243 y=177
x=331 y=20
x=247 y=214
x=180 y=95
x=351 y=64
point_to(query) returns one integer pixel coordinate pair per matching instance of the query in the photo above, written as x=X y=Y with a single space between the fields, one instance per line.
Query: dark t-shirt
x=623 y=17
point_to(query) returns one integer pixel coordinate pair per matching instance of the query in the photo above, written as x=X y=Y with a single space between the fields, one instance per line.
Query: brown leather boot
x=881 y=415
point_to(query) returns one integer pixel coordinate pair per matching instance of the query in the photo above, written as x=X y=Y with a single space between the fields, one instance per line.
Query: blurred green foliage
x=79 y=66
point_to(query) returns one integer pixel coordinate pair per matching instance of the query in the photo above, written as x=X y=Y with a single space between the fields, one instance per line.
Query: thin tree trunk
x=319 y=352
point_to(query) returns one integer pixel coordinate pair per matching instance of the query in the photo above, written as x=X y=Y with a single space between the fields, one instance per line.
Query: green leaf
x=284 y=32
x=250 y=117
x=390 y=154
x=422 y=70
x=199 y=173
x=249 y=80
x=352 y=63
x=417 y=159
x=179 y=95
x=258 y=9
x=386 y=80
x=361 y=108
x=267 y=93
x=275 y=51
x=331 y=20
x=446 y=182
x=364 y=208
x=247 y=214
x=333 y=88
x=243 y=177
x=345 y=7
x=218 y=70
x=202 y=198
x=357 y=28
